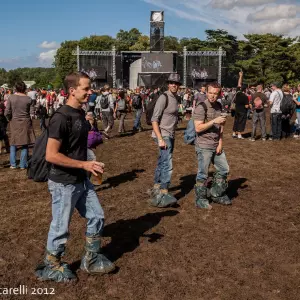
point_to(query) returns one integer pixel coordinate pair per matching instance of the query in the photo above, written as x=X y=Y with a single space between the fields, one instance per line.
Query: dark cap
x=174 y=77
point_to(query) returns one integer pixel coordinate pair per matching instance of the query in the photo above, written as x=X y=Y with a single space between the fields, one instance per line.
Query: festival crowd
x=70 y=136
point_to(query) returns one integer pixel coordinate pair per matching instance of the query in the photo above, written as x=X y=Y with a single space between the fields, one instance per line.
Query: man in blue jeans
x=137 y=104
x=209 y=125
x=70 y=187
x=164 y=122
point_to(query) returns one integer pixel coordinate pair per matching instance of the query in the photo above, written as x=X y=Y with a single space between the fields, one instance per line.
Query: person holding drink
x=70 y=186
x=209 y=123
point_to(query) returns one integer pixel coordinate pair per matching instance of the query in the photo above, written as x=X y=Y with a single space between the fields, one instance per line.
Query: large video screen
x=157 y=62
x=96 y=72
x=202 y=72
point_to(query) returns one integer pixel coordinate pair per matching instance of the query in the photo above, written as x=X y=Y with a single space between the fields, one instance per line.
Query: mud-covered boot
x=163 y=199
x=201 y=196
x=154 y=191
x=55 y=270
x=218 y=191
x=93 y=262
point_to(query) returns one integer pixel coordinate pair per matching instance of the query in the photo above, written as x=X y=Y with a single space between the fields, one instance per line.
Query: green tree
x=126 y=39
x=172 y=44
x=143 y=44
x=64 y=61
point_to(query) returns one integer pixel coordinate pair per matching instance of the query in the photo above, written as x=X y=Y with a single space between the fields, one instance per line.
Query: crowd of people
x=73 y=134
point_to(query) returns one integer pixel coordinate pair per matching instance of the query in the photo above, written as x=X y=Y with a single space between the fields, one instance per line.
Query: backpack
x=189 y=135
x=104 y=103
x=94 y=139
x=121 y=104
x=151 y=106
x=38 y=167
x=286 y=105
x=137 y=102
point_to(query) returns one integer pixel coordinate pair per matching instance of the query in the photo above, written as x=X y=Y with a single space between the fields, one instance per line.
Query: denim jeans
x=122 y=122
x=207 y=156
x=163 y=172
x=43 y=123
x=23 y=157
x=107 y=120
x=137 y=121
x=261 y=118
x=276 y=125
x=66 y=197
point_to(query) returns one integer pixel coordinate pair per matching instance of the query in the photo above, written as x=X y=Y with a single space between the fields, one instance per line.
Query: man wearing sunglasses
x=164 y=121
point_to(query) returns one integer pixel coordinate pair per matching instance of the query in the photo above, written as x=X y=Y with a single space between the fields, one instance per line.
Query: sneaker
x=12 y=167
x=264 y=139
x=234 y=136
x=270 y=139
x=240 y=137
x=105 y=134
x=252 y=139
x=296 y=136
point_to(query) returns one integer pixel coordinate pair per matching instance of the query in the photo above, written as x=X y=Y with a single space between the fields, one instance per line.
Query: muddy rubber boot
x=93 y=262
x=218 y=191
x=201 y=196
x=163 y=199
x=223 y=200
x=55 y=270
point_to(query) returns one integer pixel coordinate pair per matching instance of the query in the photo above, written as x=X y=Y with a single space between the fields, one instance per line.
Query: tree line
x=264 y=58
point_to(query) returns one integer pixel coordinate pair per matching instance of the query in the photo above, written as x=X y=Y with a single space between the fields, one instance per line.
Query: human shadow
x=234 y=186
x=125 y=235
x=186 y=185
x=114 y=181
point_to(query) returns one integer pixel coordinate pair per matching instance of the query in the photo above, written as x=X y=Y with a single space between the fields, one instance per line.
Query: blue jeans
x=66 y=197
x=276 y=125
x=23 y=157
x=207 y=156
x=163 y=172
x=137 y=121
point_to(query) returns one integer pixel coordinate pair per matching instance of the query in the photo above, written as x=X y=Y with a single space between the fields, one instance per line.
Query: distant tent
x=29 y=83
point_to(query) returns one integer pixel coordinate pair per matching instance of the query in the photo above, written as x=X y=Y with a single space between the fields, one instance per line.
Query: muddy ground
x=250 y=250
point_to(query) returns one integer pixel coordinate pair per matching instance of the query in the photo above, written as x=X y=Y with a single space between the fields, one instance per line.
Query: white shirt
x=276 y=98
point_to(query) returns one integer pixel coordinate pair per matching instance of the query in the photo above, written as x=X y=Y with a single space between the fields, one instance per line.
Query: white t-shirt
x=32 y=95
x=276 y=97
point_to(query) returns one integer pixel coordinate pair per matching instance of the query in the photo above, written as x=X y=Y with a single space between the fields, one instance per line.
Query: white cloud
x=49 y=45
x=47 y=58
x=239 y=17
x=229 y=4
x=282 y=26
x=274 y=13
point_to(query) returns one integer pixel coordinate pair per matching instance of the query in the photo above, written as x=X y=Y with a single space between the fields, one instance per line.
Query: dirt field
x=248 y=251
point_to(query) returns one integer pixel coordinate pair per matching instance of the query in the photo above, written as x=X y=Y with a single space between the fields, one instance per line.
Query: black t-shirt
x=240 y=101
x=73 y=133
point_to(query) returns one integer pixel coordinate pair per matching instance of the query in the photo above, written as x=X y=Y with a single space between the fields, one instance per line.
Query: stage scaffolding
x=111 y=62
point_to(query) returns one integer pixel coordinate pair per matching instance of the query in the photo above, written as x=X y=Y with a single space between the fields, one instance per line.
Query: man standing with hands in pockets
x=70 y=187
x=164 y=122
x=209 y=124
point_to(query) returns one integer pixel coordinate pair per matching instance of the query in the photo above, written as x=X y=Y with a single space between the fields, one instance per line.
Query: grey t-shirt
x=200 y=97
x=208 y=139
x=167 y=117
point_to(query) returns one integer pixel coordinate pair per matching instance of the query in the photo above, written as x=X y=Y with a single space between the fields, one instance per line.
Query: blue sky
x=32 y=30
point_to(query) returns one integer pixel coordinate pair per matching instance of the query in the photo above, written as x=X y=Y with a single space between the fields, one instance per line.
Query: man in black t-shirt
x=70 y=187
x=241 y=108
